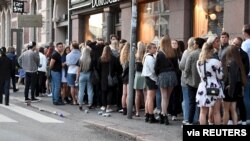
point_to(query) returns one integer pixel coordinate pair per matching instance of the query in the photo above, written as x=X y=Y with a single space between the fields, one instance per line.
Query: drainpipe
x=69 y=23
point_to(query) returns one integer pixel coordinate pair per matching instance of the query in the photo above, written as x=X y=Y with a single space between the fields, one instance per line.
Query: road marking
x=31 y=114
x=3 y=118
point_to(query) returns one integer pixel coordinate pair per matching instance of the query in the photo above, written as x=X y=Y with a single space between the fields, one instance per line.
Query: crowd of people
x=207 y=81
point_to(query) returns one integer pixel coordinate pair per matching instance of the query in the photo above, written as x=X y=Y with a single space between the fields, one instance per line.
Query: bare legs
x=203 y=115
x=229 y=107
x=124 y=98
x=138 y=96
x=74 y=91
x=165 y=96
x=149 y=105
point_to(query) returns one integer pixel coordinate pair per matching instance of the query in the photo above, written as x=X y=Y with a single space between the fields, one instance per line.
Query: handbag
x=112 y=80
x=94 y=77
x=210 y=91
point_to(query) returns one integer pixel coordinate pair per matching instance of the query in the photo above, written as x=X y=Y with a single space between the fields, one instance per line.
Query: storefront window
x=154 y=17
x=208 y=17
x=95 y=27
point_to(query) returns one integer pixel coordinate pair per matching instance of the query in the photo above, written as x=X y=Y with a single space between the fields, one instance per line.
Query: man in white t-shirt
x=246 y=47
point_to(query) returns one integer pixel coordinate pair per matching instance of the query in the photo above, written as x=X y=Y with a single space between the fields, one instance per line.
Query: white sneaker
x=184 y=122
x=120 y=111
x=248 y=122
x=157 y=111
x=103 y=108
x=244 y=123
x=109 y=110
x=49 y=95
x=174 y=118
x=230 y=122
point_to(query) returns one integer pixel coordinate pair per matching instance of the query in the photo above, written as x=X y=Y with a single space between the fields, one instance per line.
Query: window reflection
x=154 y=17
x=208 y=17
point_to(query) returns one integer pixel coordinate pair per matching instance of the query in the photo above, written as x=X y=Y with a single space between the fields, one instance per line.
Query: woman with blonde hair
x=139 y=81
x=85 y=68
x=150 y=79
x=185 y=102
x=124 y=61
x=210 y=72
x=165 y=66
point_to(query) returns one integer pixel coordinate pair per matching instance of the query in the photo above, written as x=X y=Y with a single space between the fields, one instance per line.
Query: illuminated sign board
x=98 y=3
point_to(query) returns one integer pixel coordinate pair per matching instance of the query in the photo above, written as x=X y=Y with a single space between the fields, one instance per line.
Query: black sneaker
x=58 y=103
x=34 y=99
x=15 y=90
x=27 y=99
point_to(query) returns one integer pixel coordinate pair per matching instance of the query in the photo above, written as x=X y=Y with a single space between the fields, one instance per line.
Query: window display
x=208 y=17
x=154 y=17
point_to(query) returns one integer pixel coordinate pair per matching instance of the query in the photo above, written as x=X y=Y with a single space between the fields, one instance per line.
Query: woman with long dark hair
x=234 y=80
x=165 y=66
x=108 y=65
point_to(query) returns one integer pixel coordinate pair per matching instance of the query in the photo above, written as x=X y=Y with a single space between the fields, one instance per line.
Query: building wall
x=180 y=19
x=60 y=9
x=9 y=20
x=234 y=15
x=126 y=20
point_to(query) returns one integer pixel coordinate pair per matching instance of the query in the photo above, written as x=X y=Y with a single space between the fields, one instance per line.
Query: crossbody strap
x=205 y=73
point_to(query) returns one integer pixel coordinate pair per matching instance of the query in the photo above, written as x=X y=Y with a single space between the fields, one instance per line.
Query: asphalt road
x=21 y=123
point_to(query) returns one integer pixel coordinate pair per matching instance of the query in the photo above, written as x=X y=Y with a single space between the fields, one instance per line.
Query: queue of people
x=208 y=82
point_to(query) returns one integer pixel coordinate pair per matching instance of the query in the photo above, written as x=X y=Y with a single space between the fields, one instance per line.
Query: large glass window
x=208 y=17
x=154 y=17
x=94 y=27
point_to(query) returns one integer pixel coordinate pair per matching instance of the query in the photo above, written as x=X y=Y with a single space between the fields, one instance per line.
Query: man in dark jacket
x=12 y=56
x=5 y=69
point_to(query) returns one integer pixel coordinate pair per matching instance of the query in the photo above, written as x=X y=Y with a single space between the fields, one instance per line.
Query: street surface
x=43 y=121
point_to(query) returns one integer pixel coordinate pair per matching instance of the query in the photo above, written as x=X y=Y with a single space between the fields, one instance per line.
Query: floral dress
x=214 y=75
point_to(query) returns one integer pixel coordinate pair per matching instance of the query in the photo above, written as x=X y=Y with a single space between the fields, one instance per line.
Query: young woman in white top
x=150 y=78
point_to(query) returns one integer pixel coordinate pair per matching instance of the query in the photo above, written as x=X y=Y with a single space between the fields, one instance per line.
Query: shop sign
x=18 y=6
x=29 y=21
x=98 y=3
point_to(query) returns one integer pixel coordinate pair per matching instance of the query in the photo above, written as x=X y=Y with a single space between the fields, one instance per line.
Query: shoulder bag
x=210 y=91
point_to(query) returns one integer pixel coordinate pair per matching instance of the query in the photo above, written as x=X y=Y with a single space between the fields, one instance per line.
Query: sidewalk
x=135 y=129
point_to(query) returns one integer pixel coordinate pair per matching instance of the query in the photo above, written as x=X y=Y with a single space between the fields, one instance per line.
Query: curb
x=114 y=128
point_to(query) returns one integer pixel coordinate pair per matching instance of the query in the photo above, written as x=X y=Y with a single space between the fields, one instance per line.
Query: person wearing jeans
x=84 y=69
x=5 y=69
x=56 y=86
x=192 y=77
x=56 y=74
x=84 y=80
